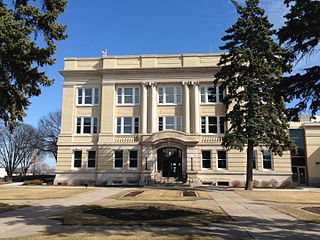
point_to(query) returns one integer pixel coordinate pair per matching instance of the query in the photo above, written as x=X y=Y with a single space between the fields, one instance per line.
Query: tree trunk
x=249 y=180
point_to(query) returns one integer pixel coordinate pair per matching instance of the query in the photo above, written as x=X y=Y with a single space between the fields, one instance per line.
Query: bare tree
x=48 y=133
x=16 y=146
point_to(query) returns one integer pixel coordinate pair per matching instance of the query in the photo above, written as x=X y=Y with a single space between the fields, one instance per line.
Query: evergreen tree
x=250 y=72
x=27 y=41
x=301 y=34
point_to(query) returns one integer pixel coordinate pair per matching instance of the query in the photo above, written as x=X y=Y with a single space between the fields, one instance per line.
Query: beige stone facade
x=140 y=119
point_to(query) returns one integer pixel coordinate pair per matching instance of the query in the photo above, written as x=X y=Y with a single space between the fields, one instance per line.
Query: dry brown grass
x=10 y=207
x=296 y=212
x=76 y=216
x=160 y=194
x=118 y=236
x=31 y=193
x=286 y=196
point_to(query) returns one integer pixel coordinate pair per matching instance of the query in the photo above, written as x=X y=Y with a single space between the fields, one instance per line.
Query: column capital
x=149 y=84
x=194 y=83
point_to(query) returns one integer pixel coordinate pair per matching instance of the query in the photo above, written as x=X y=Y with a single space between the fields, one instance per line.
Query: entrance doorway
x=299 y=175
x=170 y=162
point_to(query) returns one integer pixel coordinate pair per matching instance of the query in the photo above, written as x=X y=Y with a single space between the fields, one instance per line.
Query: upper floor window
x=88 y=96
x=167 y=123
x=267 y=159
x=87 y=125
x=211 y=94
x=213 y=125
x=127 y=125
x=128 y=95
x=169 y=95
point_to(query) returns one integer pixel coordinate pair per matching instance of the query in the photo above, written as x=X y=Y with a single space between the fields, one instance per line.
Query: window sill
x=86 y=134
x=215 y=103
x=169 y=104
x=87 y=105
x=127 y=105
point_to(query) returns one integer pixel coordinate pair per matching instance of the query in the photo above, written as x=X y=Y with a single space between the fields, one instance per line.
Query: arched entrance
x=169 y=161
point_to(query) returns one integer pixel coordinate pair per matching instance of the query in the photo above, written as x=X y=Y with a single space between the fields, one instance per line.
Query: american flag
x=104 y=53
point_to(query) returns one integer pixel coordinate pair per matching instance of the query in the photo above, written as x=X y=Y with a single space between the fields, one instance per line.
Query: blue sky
x=127 y=27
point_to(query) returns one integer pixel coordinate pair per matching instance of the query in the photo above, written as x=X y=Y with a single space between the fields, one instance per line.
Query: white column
x=186 y=102
x=144 y=108
x=196 y=107
x=154 y=114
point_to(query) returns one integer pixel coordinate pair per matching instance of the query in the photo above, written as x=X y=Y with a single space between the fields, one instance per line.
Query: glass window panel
x=119 y=96
x=136 y=125
x=79 y=96
x=95 y=125
x=221 y=93
x=254 y=160
x=119 y=125
x=222 y=159
x=267 y=159
x=77 y=159
x=203 y=94
x=212 y=94
x=133 y=159
x=136 y=95
x=160 y=95
x=212 y=125
x=169 y=98
x=118 y=160
x=91 y=159
x=179 y=123
x=206 y=159
x=128 y=95
x=178 y=95
x=86 y=125
x=127 y=125
x=88 y=96
x=169 y=122
x=222 y=125
x=96 y=96
x=78 y=125
x=160 y=123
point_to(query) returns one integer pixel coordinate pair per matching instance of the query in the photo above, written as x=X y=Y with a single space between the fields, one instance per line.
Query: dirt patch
x=133 y=194
x=189 y=193
x=145 y=212
x=315 y=210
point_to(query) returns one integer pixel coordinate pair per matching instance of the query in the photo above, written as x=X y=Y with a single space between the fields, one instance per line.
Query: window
x=133 y=159
x=88 y=96
x=91 y=159
x=118 y=159
x=77 y=159
x=169 y=95
x=87 y=125
x=127 y=125
x=254 y=160
x=222 y=159
x=206 y=159
x=267 y=161
x=128 y=95
x=297 y=137
x=211 y=94
x=170 y=123
x=212 y=124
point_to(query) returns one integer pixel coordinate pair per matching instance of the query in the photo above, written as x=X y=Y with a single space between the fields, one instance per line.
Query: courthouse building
x=156 y=118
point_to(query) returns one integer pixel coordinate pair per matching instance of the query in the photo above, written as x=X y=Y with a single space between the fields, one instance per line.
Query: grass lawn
x=118 y=236
x=10 y=207
x=286 y=196
x=31 y=193
x=297 y=212
x=83 y=215
x=159 y=194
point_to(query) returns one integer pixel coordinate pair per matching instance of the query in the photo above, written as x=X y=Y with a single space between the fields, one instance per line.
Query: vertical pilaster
x=153 y=109
x=186 y=103
x=144 y=108
x=196 y=115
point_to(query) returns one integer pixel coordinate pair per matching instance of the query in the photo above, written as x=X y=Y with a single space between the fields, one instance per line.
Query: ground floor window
x=77 y=159
x=206 y=159
x=118 y=159
x=222 y=159
x=133 y=159
x=91 y=159
x=254 y=160
x=267 y=159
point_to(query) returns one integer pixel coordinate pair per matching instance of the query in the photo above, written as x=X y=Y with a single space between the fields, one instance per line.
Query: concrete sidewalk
x=260 y=220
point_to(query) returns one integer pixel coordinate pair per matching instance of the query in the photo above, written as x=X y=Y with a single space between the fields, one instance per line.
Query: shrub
x=33 y=182
x=273 y=183
x=286 y=184
x=256 y=183
x=265 y=184
x=236 y=184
